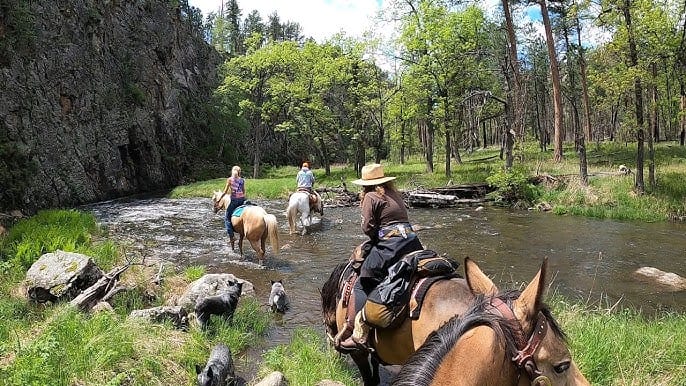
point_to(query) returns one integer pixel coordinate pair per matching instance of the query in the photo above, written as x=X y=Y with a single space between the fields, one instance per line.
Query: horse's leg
x=370 y=376
x=256 y=247
x=240 y=243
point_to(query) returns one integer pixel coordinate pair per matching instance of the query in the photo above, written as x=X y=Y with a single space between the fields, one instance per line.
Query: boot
x=361 y=330
x=358 y=339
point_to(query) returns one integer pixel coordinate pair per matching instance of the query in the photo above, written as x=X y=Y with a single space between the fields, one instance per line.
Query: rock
x=103 y=307
x=210 y=285
x=669 y=279
x=175 y=314
x=60 y=276
x=274 y=379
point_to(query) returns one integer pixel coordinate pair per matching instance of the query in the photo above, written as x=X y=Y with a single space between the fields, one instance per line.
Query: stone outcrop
x=60 y=276
x=98 y=99
x=209 y=285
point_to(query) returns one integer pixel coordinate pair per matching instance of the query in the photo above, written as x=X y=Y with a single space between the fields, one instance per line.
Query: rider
x=235 y=186
x=386 y=222
x=305 y=178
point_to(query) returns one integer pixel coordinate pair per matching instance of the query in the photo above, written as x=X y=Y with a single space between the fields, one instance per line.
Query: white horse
x=299 y=202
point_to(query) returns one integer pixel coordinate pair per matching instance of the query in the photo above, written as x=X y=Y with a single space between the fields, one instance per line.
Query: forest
x=454 y=77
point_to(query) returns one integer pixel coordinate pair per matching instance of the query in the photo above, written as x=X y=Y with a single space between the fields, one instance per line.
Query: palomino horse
x=255 y=224
x=299 y=202
x=503 y=339
x=443 y=300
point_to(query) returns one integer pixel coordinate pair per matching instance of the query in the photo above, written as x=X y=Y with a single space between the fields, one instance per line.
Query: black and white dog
x=223 y=304
x=278 y=301
x=219 y=370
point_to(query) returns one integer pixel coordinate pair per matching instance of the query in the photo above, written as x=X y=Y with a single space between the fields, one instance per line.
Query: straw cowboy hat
x=372 y=175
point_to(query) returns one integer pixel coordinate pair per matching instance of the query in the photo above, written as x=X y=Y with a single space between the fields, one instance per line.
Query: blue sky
x=320 y=19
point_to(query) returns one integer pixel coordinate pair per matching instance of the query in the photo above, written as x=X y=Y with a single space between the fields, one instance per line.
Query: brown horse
x=443 y=300
x=503 y=339
x=255 y=224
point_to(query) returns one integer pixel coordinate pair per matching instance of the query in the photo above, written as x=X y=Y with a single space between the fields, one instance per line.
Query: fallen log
x=435 y=200
x=89 y=297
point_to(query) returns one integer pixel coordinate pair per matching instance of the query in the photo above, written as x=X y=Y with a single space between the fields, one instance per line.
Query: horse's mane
x=330 y=292
x=421 y=367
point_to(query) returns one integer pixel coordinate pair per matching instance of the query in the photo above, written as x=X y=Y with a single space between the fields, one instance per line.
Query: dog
x=223 y=304
x=219 y=370
x=278 y=301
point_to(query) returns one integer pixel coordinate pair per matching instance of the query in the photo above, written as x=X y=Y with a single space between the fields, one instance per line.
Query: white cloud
x=320 y=19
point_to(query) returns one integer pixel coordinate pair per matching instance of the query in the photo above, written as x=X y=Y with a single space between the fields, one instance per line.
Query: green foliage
x=512 y=187
x=306 y=360
x=635 y=348
x=194 y=272
x=50 y=230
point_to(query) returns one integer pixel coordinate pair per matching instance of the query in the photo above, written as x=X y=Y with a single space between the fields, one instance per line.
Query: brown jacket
x=379 y=211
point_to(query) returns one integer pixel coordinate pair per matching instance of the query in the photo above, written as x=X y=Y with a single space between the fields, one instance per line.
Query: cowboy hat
x=372 y=175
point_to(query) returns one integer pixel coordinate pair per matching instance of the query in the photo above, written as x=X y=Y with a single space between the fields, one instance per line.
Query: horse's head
x=546 y=357
x=218 y=203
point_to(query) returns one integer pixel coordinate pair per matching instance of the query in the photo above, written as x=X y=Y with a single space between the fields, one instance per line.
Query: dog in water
x=278 y=302
x=223 y=304
x=219 y=370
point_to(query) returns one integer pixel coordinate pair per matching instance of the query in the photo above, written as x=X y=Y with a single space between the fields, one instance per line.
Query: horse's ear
x=479 y=283
x=531 y=300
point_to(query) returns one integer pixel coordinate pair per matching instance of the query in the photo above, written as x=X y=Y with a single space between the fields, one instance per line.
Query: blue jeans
x=235 y=203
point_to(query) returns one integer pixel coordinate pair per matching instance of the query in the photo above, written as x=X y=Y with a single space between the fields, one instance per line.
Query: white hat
x=372 y=175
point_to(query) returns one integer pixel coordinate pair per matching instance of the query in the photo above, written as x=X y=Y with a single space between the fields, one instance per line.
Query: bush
x=512 y=188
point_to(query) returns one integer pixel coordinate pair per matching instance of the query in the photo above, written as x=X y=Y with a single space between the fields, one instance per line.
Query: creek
x=591 y=261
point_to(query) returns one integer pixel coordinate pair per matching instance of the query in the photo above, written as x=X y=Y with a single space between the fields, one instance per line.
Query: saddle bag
x=387 y=305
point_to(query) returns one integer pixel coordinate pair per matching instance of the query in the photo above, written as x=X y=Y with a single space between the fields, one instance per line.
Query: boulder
x=274 y=379
x=174 y=314
x=60 y=276
x=210 y=285
x=670 y=280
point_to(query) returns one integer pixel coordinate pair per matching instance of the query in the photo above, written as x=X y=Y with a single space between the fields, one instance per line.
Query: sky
x=320 y=19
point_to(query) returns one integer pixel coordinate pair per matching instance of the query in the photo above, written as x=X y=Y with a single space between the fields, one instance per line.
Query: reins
x=524 y=360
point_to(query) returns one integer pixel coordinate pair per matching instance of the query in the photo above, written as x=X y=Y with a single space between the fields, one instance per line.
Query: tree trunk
x=588 y=133
x=639 y=184
x=655 y=132
x=555 y=77
x=515 y=84
x=448 y=152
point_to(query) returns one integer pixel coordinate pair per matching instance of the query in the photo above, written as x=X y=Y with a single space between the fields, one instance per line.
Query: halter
x=524 y=360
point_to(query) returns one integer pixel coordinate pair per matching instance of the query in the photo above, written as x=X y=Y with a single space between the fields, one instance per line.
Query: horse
x=443 y=300
x=509 y=338
x=299 y=202
x=255 y=224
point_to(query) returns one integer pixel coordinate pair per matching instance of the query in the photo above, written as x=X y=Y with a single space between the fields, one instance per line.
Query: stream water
x=589 y=260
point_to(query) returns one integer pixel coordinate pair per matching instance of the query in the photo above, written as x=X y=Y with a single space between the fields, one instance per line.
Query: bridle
x=524 y=359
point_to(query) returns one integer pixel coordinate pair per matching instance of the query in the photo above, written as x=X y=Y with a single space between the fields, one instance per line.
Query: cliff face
x=97 y=99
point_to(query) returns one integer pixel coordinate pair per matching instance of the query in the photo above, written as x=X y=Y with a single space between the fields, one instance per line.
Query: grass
x=306 y=360
x=58 y=345
x=606 y=196
x=624 y=347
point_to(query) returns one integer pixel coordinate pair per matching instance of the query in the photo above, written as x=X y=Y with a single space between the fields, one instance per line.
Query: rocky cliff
x=98 y=98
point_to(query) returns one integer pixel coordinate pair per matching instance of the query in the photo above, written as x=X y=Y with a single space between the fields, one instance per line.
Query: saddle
x=401 y=294
x=313 y=198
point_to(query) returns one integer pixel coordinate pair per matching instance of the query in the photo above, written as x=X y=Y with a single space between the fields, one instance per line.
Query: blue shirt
x=305 y=178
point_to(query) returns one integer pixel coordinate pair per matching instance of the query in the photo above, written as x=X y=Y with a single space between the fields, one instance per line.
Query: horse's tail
x=330 y=290
x=273 y=230
x=291 y=213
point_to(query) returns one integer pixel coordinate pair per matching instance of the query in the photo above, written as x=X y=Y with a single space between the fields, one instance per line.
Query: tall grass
x=50 y=230
x=58 y=345
x=306 y=360
x=625 y=347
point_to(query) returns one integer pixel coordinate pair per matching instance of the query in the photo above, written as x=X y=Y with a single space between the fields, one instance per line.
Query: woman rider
x=386 y=222
x=235 y=186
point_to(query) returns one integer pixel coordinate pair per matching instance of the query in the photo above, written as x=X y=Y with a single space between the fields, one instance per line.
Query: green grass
x=58 y=345
x=306 y=360
x=623 y=347
x=606 y=196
